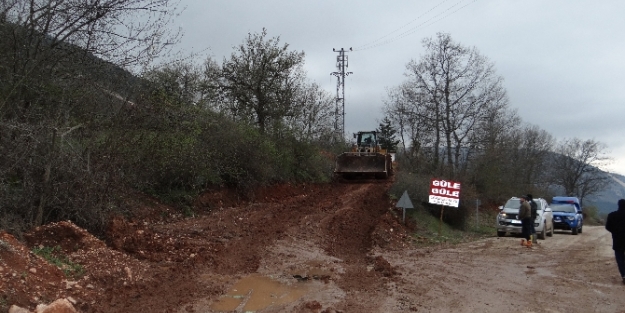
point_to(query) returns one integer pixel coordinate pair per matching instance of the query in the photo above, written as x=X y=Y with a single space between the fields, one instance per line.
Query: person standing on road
x=616 y=225
x=534 y=211
x=525 y=215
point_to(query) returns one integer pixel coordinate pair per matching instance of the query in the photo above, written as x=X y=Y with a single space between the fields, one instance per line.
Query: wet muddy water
x=256 y=292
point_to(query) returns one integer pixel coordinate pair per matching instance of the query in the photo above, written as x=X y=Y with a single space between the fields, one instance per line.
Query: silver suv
x=508 y=222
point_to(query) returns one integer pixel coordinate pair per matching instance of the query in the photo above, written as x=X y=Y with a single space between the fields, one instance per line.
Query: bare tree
x=451 y=88
x=211 y=95
x=313 y=113
x=493 y=167
x=178 y=83
x=576 y=167
x=262 y=78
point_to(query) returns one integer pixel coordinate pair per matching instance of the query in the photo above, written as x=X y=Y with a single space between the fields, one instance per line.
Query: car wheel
x=580 y=229
x=550 y=234
x=542 y=233
x=501 y=233
x=574 y=231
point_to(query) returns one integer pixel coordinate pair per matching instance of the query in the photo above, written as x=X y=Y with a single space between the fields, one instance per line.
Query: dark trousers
x=620 y=261
x=526 y=227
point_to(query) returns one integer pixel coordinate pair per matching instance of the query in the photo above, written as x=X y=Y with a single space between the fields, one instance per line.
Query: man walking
x=525 y=215
x=616 y=225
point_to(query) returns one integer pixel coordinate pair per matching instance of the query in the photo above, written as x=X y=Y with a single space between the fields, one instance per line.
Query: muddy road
x=564 y=273
x=312 y=248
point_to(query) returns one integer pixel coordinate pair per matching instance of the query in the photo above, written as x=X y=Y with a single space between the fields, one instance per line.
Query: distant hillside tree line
x=454 y=122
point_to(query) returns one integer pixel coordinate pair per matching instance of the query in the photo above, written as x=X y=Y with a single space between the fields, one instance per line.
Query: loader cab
x=365 y=139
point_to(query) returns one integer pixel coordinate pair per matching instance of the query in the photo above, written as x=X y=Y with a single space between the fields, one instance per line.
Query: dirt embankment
x=307 y=248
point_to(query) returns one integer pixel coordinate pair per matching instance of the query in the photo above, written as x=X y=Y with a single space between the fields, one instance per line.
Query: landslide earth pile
x=163 y=262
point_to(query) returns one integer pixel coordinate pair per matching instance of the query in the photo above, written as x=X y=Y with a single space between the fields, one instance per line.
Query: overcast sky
x=562 y=61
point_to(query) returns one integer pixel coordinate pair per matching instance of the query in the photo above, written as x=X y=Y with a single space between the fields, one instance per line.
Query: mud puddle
x=256 y=292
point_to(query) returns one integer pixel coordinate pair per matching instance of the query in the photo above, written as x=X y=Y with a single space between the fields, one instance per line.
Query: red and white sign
x=444 y=192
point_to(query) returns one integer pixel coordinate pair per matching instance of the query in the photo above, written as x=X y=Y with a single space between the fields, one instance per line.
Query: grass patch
x=54 y=255
x=483 y=223
x=430 y=231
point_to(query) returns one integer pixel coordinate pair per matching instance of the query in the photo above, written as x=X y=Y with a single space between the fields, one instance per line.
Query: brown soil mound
x=157 y=265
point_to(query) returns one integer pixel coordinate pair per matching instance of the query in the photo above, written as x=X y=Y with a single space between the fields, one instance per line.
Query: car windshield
x=566 y=208
x=513 y=204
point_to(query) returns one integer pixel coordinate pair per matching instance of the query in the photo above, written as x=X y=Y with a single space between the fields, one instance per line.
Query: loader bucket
x=354 y=163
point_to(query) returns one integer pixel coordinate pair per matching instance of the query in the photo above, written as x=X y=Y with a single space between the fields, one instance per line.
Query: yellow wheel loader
x=366 y=158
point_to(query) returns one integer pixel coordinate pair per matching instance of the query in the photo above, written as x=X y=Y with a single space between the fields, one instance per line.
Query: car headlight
x=502 y=216
x=570 y=218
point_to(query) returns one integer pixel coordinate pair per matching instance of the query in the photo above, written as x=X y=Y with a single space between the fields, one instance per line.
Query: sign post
x=404 y=203
x=440 y=223
x=477 y=212
x=445 y=193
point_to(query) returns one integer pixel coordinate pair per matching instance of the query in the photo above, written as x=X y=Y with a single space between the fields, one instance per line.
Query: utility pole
x=339 y=112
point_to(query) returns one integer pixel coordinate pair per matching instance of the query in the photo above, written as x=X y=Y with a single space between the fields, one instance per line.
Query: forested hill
x=606 y=200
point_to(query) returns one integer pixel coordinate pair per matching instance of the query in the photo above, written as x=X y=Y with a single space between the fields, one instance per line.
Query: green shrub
x=591 y=215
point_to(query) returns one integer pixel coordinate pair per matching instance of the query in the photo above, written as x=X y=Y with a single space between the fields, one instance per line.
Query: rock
x=33 y=270
x=17 y=309
x=58 y=306
x=128 y=272
x=72 y=300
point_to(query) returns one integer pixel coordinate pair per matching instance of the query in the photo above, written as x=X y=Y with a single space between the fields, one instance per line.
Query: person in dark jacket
x=534 y=207
x=616 y=225
x=525 y=215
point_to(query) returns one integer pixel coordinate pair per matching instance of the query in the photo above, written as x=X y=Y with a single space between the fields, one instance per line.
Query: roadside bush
x=591 y=216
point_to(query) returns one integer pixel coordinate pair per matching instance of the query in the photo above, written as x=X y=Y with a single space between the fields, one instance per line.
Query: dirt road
x=564 y=273
x=310 y=248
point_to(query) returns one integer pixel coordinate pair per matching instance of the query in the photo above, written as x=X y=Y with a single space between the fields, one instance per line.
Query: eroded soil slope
x=157 y=264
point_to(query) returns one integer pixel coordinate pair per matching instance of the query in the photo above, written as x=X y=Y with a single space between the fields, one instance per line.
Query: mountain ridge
x=606 y=200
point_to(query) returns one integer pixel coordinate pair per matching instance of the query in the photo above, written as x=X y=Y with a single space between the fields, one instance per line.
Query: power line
x=411 y=31
x=405 y=25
